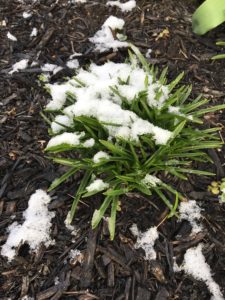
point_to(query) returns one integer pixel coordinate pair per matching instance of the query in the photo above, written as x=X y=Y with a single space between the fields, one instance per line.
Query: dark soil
x=110 y=270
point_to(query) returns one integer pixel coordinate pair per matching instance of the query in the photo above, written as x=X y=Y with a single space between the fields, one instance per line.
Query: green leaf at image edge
x=208 y=16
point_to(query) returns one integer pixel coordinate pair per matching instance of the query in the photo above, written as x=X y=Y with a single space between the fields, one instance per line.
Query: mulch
x=109 y=269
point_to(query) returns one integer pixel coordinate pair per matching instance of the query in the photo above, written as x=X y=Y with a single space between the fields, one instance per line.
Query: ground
x=110 y=270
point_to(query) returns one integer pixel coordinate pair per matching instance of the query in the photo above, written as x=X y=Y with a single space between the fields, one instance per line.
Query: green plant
x=208 y=16
x=157 y=138
x=219 y=56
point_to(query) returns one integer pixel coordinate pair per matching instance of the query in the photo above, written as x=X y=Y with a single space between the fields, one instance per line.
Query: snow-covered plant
x=130 y=130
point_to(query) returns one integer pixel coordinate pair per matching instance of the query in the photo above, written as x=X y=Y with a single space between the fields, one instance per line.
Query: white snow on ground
x=34 y=32
x=97 y=185
x=73 y=64
x=20 y=65
x=191 y=212
x=58 y=93
x=11 y=37
x=94 y=98
x=27 y=14
x=35 y=228
x=51 y=68
x=99 y=156
x=146 y=240
x=126 y=6
x=194 y=264
x=104 y=39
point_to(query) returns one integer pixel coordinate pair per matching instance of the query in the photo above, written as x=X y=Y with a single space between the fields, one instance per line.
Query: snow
x=34 y=32
x=148 y=53
x=73 y=64
x=66 y=138
x=194 y=264
x=151 y=180
x=11 y=37
x=74 y=253
x=89 y=143
x=104 y=39
x=60 y=123
x=27 y=15
x=191 y=212
x=99 y=156
x=35 y=228
x=94 y=98
x=51 y=68
x=125 y=7
x=72 y=228
x=58 y=93
x=146 y=240
x=20 y=65
x=97 y=185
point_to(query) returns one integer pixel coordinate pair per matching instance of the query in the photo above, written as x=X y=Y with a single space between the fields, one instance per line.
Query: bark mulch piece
x=105 y=269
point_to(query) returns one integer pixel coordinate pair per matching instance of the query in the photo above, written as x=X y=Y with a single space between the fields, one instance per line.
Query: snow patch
x=104 y=39
x=20 y=65
x=27 y=14
x=35 y=229
x=11 y=37
x=151 y=180
x=194 y=264
x=99 y=156
x=60 y=123
x=51 y=68
x=191 y=212
x=66 y=138
x=97 y=185
x=73 y=64
x=34 y=32
x=146 y=240
x=125 y=7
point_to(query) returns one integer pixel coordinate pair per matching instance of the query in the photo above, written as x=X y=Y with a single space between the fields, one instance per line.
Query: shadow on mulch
x=110 y=270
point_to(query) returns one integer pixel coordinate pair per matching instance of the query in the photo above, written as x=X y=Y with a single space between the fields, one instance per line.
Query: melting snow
x=191 y=212
x=67 y=138
x=51 y=68
x=104 y=39
x=99 y=156
x=97 y=185
x=34 y=32
x=127 y=6
x=11 y=37
x=27 y=15
x=146 y=240
x=35 y=228
x=73 y=64
x=151 y=180
x=20 y=65
x=60 y=123
x=194 y=264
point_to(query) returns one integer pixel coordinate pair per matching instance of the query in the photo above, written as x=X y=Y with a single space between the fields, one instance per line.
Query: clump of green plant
x=130 y=130
x=209 y=15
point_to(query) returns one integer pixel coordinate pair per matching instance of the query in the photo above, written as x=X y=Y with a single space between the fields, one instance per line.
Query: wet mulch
x=110 y=270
